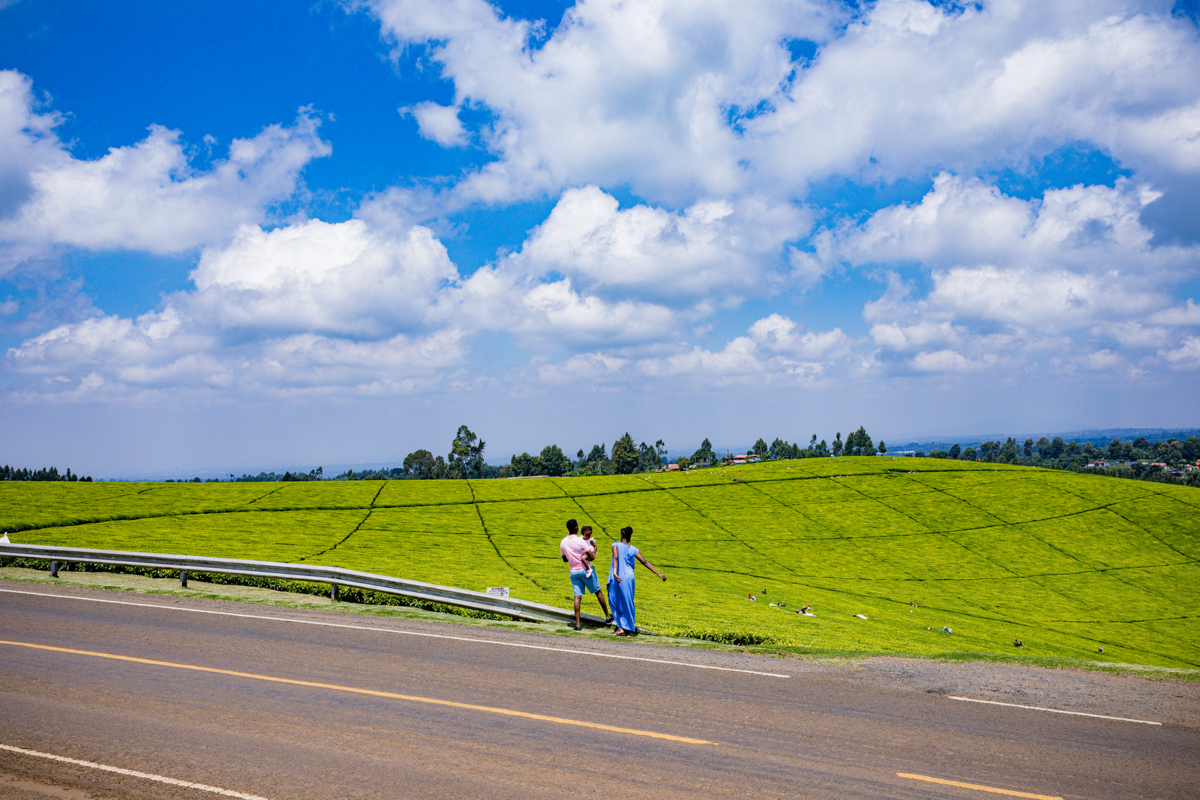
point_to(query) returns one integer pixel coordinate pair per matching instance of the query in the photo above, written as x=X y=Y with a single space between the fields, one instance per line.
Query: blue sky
x=243 y=235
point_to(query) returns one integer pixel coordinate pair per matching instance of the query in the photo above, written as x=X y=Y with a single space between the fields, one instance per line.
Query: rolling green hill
x=1065 y=563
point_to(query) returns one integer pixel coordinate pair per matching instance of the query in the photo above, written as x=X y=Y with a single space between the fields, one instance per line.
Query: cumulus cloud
x=307 y=307
x=551 y=315
x=145 y=196
x=1186 y=356
x=316 y=306
x=1091 y=229
x=165 y=352
x=712 y=245
x=708 y=114
x=438 y=123
x=348 y=278
x=683 y=101
x=633 y=93
x=1008 y=281
x=776 y=350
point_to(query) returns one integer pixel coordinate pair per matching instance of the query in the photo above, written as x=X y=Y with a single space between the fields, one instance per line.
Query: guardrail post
x=183 y=579
x=53 y=569
x=333 y=592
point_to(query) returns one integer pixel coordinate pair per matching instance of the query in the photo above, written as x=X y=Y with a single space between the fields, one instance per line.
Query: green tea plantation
x=940 y=557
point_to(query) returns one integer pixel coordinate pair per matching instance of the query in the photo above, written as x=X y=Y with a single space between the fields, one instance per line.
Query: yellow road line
x=977 y=787
x=391 y=695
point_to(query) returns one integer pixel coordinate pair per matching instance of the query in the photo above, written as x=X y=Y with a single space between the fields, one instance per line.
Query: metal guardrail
x=334 y=576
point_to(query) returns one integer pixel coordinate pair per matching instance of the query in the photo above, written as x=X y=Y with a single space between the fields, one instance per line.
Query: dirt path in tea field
x=290 y=704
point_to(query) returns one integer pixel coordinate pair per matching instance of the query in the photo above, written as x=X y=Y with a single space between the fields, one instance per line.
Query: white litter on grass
x=4 y=538
x=860 y=616
x=808 y=613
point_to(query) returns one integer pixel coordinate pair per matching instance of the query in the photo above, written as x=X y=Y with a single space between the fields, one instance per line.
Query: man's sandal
x=578 y=627
x=608 y=620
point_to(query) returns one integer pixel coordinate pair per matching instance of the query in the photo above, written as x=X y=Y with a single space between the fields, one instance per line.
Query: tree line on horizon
x=1137 y=458
x=8 y=473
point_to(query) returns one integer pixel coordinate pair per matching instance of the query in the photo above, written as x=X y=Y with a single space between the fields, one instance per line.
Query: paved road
x=398 y=709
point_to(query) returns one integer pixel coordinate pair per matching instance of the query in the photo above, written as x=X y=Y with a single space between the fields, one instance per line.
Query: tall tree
x=420 y=464
x=553 y=461
x=466 y=454
x=648 y=458
x=624 y=455
x=522 y=465
x=705 y=453
x=1057 y=447
x=760 y=448
x=837 y=444
x=858 y=443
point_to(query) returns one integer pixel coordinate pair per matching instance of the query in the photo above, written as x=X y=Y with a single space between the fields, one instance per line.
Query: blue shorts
x=583 y=585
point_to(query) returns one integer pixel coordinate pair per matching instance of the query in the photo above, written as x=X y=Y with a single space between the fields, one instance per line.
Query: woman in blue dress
x=621 y=585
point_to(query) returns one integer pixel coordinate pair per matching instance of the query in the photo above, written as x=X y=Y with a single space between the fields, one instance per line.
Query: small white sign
x=498 y=591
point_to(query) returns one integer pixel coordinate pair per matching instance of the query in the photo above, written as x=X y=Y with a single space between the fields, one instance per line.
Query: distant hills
x=1099 y=437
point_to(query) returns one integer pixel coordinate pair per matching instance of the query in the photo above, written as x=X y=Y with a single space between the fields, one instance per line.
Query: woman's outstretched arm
x=649 y=566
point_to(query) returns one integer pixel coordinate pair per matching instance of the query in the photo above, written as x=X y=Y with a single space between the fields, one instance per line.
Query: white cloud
x=963 y=220
x=1188 y=314
x=1009 y=281
x=621 y=92
x=780 y=335
x=916 y=336
x=1187 y=355
x=311 y=307
x=585 y=369
x=158 y=352
x=775 y=351
x=1133 y=334
x=712 y=245
x=144 y=196
x=553 y=315
x=320 y=307
x=348 y=278
x=683 y=101
x=438 y=123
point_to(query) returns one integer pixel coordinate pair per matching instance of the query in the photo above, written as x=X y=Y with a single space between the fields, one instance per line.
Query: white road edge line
x=403 y=633
x=133 y=773
x=1053 y=710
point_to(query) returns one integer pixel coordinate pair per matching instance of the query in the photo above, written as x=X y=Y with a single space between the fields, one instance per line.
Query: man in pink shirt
x=578 y=552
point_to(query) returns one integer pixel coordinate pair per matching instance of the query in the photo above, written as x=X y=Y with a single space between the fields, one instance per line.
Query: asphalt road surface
x=255 y=701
